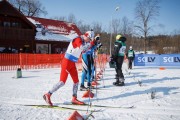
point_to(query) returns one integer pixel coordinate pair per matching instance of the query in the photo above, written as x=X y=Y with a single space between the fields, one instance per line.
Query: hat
x=130 y=47
x=118 y=37
x=89 y=34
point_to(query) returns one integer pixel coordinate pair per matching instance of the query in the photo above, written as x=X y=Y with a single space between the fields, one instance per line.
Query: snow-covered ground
x=165 y=84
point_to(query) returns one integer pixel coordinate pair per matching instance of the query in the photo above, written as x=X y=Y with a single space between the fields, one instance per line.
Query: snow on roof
x=54 y=30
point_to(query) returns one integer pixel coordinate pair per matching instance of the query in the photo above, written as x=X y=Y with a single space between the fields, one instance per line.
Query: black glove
x=112 y=60
x=99 y=45
x=97 y=40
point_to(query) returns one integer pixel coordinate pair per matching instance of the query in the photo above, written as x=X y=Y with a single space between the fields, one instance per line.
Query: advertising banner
x=157 y=60
x=146 y=60
x=170 y=60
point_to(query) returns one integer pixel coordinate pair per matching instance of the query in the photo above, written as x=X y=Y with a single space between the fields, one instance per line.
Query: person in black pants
x=118 y=58
x=130 y=55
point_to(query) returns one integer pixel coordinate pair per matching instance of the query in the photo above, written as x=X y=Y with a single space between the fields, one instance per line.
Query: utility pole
x=116 y=9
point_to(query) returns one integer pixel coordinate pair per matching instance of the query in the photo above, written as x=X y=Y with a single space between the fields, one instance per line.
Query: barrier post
x=18 y=73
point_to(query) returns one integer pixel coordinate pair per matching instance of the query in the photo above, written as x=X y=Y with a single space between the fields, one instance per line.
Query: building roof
x=54 y=30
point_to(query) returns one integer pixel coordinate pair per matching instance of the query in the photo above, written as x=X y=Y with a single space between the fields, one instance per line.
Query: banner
x=170 y=60
x=157 y=60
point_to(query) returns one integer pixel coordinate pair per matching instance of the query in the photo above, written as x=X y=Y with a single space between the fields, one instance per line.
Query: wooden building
x=53 y=36
x=19 y=33
x=16 y=32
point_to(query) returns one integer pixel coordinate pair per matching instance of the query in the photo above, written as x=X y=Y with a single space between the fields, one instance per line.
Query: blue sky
x=101 y=11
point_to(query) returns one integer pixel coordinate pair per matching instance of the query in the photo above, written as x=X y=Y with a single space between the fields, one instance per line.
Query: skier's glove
x=112 y=60
x=97 y=40
x=99 y=45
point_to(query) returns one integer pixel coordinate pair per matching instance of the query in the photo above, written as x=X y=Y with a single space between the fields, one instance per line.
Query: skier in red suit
x=74 y=50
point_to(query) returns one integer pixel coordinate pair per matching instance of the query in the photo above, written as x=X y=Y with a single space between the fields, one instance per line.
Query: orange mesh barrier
x=29 y=61
x=40 y=61
x=101 y=61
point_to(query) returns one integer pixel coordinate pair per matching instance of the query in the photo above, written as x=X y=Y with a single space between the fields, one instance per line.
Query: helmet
x=118 y=37
x=89 y=34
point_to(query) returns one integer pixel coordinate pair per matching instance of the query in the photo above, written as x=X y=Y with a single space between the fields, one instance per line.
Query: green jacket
x=130 y=54
x=119 y=48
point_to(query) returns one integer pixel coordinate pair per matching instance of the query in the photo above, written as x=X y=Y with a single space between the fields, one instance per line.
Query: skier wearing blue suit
x=88 y=66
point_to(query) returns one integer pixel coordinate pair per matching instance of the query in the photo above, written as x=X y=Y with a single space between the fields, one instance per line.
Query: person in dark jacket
x=130 y=55
x=118 y=58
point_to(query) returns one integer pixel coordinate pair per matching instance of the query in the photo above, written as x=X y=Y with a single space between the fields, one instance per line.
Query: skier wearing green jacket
x=118 y=58
x=130 y=55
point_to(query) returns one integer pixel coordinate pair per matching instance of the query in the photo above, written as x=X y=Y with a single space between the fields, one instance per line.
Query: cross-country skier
x=118 y=58
x=130 y=55
x=72 y=55
x=88 y=65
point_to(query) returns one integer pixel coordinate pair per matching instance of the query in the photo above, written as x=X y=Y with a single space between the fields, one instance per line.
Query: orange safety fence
x=100 y=61
x=40 y=61
x=29 y=61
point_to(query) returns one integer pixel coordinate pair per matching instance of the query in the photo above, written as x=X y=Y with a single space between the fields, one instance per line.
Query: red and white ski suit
x=71 y=56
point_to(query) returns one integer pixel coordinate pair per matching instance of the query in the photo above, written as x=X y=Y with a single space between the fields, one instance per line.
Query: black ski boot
x=83 y=88
x=121 y=84
x=89 y=86
x=117 y=82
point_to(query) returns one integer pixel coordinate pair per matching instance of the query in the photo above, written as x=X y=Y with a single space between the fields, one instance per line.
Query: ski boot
x=76 y=101
x=47 y=98
x=89 y=86
x=121 y=82
x=116 y=83
x=83 y=88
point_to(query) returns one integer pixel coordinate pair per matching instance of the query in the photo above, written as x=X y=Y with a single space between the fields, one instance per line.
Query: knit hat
x=89 y=34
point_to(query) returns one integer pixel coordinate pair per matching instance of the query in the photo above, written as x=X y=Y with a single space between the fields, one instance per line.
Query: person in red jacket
x=74 y=50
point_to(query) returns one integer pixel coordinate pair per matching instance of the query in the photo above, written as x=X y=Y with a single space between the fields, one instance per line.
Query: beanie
x=89 y=34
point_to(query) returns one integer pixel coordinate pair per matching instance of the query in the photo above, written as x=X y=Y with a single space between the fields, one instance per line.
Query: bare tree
x=72 y=18
x=97 y=27
x=115 y=26
x=145 y=11
x=127 y=27
x=61 y=18
x=83 y=27
x=29 y=7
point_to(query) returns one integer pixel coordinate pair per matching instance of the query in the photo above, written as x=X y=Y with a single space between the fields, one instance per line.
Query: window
x=15 y=24
x=6 y=24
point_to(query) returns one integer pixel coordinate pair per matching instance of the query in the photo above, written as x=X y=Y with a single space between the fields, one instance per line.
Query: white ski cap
x=90 y=34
